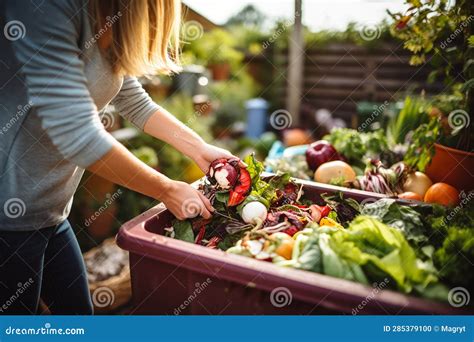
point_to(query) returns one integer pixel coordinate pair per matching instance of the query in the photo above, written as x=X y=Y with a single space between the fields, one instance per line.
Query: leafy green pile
x=357 y=146
x=443 y=236
x=412 y=115
x=367 y=251
x=453 y=240
x=402 y=217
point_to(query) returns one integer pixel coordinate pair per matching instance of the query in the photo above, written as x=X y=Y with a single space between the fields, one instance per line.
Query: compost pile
x=421 y=249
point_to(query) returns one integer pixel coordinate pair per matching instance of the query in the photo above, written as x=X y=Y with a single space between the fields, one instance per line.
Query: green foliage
x=249 y=38
x=354 y=33
x=412 y=115
x=421 y=149
x=439 y=29
x=248 y=16
x=453 y=237
x=424 y=26
x=230 y=97
x=215 y=47
x=357 y=146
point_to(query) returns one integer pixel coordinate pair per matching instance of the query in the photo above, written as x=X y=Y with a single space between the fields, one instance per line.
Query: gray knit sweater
x=53 y=84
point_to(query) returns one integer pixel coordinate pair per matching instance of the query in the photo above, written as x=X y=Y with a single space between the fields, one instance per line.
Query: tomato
x=442 y=193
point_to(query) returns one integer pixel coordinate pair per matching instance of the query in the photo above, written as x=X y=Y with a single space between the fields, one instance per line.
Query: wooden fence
x=339 y=76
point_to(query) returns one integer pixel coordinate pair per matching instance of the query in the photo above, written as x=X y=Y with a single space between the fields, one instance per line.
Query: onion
x=224 y=172
x=417 y=182
x=254 y=211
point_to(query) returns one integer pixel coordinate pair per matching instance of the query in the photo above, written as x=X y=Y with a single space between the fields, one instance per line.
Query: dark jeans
x=44 y=263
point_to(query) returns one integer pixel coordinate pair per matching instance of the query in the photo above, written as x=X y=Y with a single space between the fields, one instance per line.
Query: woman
x=63 y=61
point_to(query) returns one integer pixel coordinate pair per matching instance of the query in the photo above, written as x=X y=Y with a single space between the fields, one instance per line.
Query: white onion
x=253 y=211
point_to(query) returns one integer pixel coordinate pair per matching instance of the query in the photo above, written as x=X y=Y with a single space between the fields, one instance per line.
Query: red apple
x=320 y=152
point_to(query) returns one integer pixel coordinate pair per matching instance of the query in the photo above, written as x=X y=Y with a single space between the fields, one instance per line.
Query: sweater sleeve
x=54 y=74
x=133 y=103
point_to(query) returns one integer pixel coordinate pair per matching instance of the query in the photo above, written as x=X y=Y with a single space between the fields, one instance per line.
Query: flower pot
x=220 y=71
x=452 y=166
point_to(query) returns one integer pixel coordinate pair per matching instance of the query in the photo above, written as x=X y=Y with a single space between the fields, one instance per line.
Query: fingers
x=206 y=202
x=205 y=213
x=207 y=208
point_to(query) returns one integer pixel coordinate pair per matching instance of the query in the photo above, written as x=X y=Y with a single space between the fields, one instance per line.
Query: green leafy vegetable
x=399 y=216
x=412 y=115
x=383 y=251
x=421 y=150
x=183 y=230
x=357 y=146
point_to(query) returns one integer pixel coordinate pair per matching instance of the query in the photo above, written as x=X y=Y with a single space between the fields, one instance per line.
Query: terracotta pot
x=220 y=72
x=452 y=166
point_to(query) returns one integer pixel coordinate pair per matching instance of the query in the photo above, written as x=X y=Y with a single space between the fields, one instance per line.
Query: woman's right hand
x=184 y=201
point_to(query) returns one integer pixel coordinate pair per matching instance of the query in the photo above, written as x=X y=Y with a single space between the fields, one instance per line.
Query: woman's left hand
x=208 y=153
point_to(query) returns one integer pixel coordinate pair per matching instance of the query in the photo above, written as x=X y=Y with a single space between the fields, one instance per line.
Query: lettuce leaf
x=383 y=251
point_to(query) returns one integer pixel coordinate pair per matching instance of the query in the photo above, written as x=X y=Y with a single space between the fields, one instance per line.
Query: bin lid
x=257 y=103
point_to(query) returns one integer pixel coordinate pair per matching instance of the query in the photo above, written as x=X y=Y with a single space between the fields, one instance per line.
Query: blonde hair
x=145 y=34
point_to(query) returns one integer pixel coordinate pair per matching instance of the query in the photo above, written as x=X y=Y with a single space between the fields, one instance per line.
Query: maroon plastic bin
x=175 y=277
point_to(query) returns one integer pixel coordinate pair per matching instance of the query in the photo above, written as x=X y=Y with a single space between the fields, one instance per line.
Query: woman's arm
x=134 y=104
x=164 y=126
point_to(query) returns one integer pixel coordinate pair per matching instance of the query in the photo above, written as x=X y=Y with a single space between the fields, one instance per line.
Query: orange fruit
x=442 y=193
x=286 y=248
x=411 y=196
x=295 y=137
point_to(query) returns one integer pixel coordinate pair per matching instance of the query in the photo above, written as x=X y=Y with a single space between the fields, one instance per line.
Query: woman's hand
x=207 y=153
x=184 y=201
